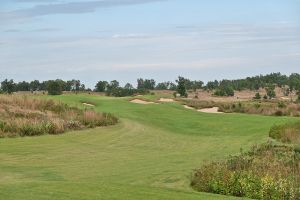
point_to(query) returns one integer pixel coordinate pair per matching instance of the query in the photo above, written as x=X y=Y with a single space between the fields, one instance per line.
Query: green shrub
x=265 y=172
x=257 y=96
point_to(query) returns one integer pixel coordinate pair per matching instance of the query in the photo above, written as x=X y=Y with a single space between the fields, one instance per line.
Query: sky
x=95 y=40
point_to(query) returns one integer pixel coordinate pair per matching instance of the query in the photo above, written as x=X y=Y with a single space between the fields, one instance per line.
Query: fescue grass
x=150 y=154
x=286 y=133
x=24 y=116
x=266 y=107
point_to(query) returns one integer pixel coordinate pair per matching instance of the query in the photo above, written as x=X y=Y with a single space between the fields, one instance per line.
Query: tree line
x=54 y=87
x=181 y=86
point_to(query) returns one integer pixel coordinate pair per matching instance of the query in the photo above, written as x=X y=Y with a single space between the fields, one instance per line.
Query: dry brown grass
x=244 y=95
x=287 y=133
x=263 y=107
x=24 y=116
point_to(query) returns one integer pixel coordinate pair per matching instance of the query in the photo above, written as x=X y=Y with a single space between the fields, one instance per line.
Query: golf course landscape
x=149 y=154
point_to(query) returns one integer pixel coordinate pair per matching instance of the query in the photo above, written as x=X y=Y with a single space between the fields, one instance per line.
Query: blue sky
x=127 y=39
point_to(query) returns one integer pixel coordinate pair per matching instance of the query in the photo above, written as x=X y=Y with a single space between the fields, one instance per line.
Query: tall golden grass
x=25 y=116
x=275 y=108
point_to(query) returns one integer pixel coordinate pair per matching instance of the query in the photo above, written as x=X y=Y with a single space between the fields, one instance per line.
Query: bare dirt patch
x=210 y=110
x=166 y=100
x=139 y=101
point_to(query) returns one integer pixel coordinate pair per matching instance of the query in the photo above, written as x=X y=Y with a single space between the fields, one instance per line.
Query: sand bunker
x=88 y=104
x=139 y=101
x=285 y=98
x=188 y=107
x=210 y=110
x=166 y=100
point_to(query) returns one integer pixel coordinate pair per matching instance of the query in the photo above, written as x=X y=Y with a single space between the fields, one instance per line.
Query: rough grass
x=287 y=133
x=268 y=108
x=24 y=116
x=150 y=154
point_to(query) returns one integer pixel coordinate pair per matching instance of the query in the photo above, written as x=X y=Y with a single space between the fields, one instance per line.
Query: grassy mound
x=23 y=116
x=265 y=172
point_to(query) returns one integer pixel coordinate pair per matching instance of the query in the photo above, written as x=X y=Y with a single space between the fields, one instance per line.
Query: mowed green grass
x=150 y=154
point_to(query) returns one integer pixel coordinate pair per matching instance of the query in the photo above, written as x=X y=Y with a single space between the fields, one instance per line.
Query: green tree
x=23 y=86
x=197 y=85
x=101 y=86
x=112 y=88
x=181 y=86
x=54 y=87
x=35 y=85
x=270 y=92
x=128 y=86
x=8 y=86
x=146 y=84
x=211 y=85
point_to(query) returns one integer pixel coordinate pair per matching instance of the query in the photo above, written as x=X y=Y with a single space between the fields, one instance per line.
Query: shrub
x=265 y=172
x=257 y=96
x=281 y=104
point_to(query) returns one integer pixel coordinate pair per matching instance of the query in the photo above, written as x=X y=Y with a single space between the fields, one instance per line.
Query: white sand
x=285 y=98
x=210 y=110
x=88 y=104
x=188 y=107
x=138 y=101
x=166 y=100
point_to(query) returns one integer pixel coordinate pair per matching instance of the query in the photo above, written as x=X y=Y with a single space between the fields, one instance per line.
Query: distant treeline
x=182 y=85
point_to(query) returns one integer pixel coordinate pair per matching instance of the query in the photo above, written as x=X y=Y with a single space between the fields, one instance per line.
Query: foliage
x=54 y=87
x=270 y=91
x=257 y=96
x=8 y=86
x=265 y=172
x=256 y=82
x=101 y=86
x=145 y=84
x=181 y=86
x=166 y=86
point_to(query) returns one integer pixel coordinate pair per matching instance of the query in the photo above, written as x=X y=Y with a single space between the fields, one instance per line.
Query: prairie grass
x=268 y=107
x=23 y=116
x=287 y=133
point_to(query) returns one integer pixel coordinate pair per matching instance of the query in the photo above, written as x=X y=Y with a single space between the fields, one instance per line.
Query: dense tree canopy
x=8 y=86
x=146 y=84
x=101 y=86
x=221 y=88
